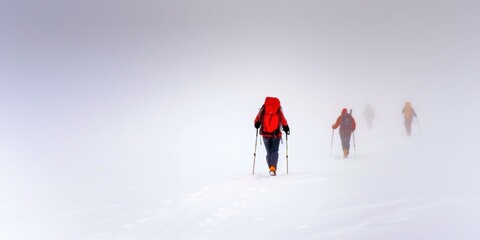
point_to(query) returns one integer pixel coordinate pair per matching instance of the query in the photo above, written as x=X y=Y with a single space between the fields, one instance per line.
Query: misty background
x=97 y=96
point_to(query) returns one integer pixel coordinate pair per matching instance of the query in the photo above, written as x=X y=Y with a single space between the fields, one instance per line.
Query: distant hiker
x=369 y=116
x=269 y=119
x=347 y=126
x=408 y=114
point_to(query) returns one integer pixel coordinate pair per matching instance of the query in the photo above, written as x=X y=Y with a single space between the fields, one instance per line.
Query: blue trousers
x=345 y=137
x=408 y=126
x=271 y=145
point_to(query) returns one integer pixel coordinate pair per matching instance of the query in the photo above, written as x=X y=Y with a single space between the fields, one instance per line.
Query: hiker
x=347 y=126
x=369 y=116
x=408 y=114
x=269 y=119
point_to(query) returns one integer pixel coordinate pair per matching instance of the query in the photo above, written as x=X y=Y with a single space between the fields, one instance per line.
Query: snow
x=402 y=191
x=134 y=119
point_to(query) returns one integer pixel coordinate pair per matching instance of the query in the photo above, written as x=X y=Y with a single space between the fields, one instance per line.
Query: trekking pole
x=255 y=152
x=418 y=124
x=286 y=150
x=331 y=143
x=354 y=145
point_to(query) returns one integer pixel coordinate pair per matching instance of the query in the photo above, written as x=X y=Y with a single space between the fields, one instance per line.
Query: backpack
x=408 y=111
x=270 y=117
x=346 y=122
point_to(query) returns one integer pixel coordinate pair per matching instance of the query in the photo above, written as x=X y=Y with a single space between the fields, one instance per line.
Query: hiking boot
x=272 y=171
x=345 y=153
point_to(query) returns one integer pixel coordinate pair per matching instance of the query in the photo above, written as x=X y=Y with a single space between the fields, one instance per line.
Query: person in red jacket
x=347 y=126
x=269 y=119
x=408 y=114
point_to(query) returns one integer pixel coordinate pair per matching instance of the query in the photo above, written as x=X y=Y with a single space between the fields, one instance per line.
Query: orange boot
x=273 y=171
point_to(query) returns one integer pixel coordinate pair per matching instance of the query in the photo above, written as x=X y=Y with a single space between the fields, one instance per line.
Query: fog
x=98 y=96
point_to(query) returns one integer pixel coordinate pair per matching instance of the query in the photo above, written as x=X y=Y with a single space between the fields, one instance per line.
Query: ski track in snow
x=213 y=211
x=302 y=206
x=199 y=214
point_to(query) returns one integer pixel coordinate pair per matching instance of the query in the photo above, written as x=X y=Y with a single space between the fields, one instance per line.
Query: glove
x=333 y=126
x=286 y=129
x=257 y=125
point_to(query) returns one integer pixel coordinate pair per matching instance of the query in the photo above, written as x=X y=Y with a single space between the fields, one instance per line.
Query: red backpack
x=270 y=117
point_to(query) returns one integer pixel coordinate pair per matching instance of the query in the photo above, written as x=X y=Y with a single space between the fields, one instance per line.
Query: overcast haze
x=101 y=95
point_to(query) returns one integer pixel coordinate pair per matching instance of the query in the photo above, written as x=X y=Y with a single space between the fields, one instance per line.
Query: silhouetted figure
x=369 y=115
x=408 y=114
x=347 y=126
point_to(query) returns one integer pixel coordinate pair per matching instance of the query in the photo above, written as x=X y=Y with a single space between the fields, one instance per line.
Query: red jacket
x=269 y=126
x=353 y=125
